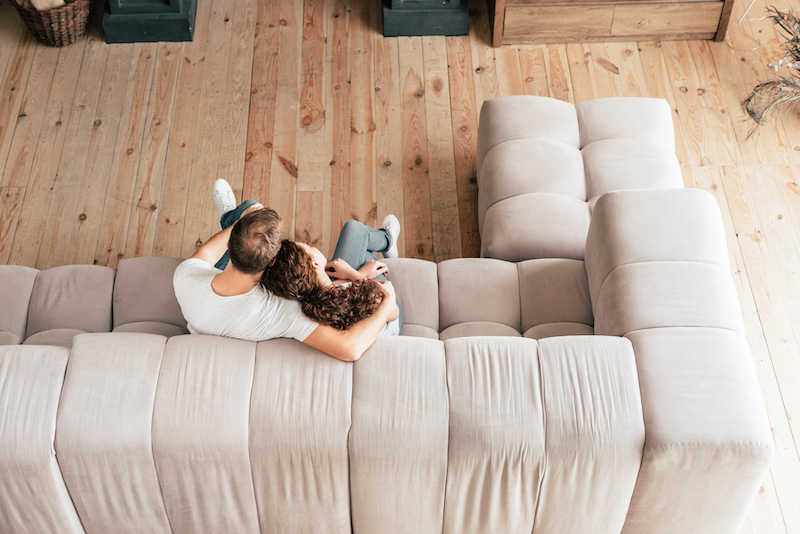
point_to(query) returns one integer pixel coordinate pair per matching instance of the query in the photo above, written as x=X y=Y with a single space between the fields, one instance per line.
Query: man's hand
x=373 y=268
x=251 y=209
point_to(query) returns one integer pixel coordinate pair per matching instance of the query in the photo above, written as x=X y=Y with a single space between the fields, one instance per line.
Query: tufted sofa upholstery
x=543 y=163
x=609 y=393
x=50 y=307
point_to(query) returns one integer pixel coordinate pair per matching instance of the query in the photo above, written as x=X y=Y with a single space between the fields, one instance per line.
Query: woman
x=343 y=291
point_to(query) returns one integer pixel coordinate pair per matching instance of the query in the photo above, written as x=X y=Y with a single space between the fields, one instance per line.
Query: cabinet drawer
x=648 y=19
x=557 y=23
x=554 y=22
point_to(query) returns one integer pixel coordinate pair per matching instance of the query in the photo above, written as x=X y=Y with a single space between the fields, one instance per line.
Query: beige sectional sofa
x=601 y=384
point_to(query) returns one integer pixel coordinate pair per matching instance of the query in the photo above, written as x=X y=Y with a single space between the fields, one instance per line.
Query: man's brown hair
x=255 y=240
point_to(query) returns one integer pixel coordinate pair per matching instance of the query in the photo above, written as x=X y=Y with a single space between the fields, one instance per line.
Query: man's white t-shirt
x=257 y=315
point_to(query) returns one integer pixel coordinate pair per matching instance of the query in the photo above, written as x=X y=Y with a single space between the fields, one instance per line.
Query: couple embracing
x=248 y=282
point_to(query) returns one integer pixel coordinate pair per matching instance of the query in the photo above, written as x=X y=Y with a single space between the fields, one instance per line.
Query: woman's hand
x=341 y=270
x=373 y=268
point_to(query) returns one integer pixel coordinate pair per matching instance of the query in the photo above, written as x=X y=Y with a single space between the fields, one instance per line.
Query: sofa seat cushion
x=477 y=328
x=526 y=117
x=9 y=338
x=535 y=225
x=415 y=330
x=34 y=496
x=72 y=296
x=542 y=163
x=615 y=164
x=546 y=330
x=531 y=432
x=59 y=337
x=530 y=166
x=626 y=118
x=152 y=327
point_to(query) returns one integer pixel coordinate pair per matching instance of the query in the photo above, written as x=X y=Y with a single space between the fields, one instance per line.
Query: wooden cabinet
x=567 y=21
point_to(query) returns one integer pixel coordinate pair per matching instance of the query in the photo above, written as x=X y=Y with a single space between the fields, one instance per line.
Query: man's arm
x=348 y=345
x=213 y=249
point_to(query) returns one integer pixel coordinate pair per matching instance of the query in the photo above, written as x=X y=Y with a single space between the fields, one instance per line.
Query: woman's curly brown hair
x=292 y=276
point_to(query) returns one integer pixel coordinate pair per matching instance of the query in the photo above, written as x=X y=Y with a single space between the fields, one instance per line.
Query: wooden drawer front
x=647 y=19
x=549 y=24
x=567 y=23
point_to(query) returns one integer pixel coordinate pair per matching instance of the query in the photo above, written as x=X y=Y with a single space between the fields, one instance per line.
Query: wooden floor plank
x=120 y=202
x=558 y=74
x=13 y=88
x=445 y=221
x=201 y=218
x=261 y=115
x=631 y=73
x=35 y=220
x=579 y=58
x=780 y=395
x=312 y=163
x=10 y=205
x=766 y=514
x=283 y=169
x=340 y=122
x=388 y=137
x=465 y=112
x=533 y=71
x=361 y=180
x=233 y=139
x=76 y=195
x=605 y=74
x=183 y=133
x=30 y=119
x=416 y=187
x=150 y=176
x=313 y=160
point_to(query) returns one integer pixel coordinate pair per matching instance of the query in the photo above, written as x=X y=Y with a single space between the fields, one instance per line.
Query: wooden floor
x=109 y=151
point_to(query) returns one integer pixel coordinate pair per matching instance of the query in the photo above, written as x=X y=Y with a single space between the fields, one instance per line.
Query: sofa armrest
x=658 y=274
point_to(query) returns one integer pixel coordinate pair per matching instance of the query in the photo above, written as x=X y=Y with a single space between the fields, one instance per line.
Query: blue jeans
x=358 y=244
x=227 y=219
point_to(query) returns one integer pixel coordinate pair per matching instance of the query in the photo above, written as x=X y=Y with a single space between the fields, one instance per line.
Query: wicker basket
x=57 y=27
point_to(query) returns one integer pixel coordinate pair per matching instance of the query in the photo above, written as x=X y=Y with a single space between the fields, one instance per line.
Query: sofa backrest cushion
x=143 y=292
x=417 y=286
x=486 y=297
x=72 y=296
x=478 y=290
x=16 y=284
x=554 y=291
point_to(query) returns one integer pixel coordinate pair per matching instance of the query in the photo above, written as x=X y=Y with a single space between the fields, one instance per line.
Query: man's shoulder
x=191 y=272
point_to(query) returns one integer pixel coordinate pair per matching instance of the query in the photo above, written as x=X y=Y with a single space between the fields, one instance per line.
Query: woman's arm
x=341 y=270
x=349 y=345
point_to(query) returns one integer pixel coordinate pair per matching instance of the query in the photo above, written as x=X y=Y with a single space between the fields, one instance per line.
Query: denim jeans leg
x=357 y=245
x=227 y=219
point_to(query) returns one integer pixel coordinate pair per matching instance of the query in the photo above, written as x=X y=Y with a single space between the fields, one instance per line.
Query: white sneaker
x=391 y=224
x=223 y=198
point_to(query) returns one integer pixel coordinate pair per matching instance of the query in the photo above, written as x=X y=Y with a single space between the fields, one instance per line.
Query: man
x=228 y=300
